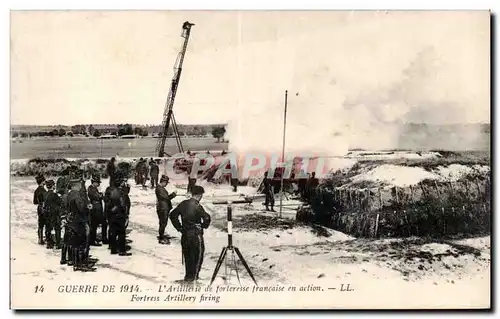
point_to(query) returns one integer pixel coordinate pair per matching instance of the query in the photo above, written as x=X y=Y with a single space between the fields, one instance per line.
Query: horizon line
x=181 y=124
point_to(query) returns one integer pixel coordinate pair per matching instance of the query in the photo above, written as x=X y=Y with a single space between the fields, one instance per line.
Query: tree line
x=217 y=131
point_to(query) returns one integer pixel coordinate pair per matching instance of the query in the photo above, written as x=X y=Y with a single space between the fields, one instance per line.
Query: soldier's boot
x=125 y=253
x=104 y=238
x=71 y=255
x=50 y=244
x=83 y=264
x=114 y=249
x=58 y=239
x=64 y=253
x=77 y=261
x=40 y=237
x=89 y=259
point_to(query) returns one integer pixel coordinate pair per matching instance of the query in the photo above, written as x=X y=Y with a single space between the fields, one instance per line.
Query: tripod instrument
x=233 y=249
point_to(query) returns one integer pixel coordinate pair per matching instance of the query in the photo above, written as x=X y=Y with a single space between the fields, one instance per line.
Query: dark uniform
x=191 y=183
x=118 y=219
x=96 y=212
x=66 y=219
x=140 y=172
x=107 y=210
x=269 y=192
x=163 y=207
x=154 y=171
x=193 y=220
x=39 y=199
x=111 y=170
x=78 y=228
x=312 y=184
x=126 y=195
x=53 y=212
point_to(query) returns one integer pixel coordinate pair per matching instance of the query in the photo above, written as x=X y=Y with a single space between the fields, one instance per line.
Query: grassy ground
x=91 y=148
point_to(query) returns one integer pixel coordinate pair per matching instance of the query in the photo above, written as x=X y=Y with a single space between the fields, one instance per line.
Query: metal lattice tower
x=168 y=115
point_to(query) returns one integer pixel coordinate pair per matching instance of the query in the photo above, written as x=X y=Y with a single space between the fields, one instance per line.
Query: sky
x=342 y=69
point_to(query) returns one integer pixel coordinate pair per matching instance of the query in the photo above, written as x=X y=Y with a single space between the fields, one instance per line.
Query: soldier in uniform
x=66 y=249
x=191 y=181
x=39 y=199
x=269 y=192
x=105 y=221
x=312 y=184
x=117 y=217
x=53 y=210
x=154 y=171
x=78 y=227
x=111 y=170
x=125 y=188
x=193 y=220
x=163 y=207
x=96 y=212
x=62 y=182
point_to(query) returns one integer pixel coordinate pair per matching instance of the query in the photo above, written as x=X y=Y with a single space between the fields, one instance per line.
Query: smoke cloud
x=364 y=88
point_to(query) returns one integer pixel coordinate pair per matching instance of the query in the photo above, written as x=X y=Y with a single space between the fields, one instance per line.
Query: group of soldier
x=143 y=169
x=306 y=189
x=74 y=213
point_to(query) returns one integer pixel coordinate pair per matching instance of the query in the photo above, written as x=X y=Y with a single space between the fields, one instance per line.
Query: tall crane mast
x=168 y=115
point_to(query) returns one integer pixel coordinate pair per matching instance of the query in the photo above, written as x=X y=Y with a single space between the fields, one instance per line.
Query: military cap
x=95 y=179
x=164 y=178
x=50 y=183
x=40 y=179
x=197 y=190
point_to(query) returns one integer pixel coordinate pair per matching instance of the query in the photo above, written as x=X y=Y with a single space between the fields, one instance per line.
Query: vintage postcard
x=250 y=160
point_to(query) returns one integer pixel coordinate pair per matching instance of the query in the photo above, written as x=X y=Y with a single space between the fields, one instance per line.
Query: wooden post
x=283 y=153
x=437 y=188
x=407 y=222
x=444 y=220
x=423 y=189
x=376 y=225
x=380 y=197
x=411 y=194
x=478 y=189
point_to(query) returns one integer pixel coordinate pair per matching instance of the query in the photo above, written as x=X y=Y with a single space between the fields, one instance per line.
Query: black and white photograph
x=250 y=159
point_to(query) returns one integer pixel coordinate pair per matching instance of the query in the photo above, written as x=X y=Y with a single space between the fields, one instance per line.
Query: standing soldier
x=269 y=192
x=125 y=189
x=39 y=200
x=117 y=218
x=111 y=170
x=191 y=180
x=138 y=169
x=193 y=220
x=96 y=212
x=107 y=210
x=62 y=182
x=163 y=207
x=53 y=210
x=78 y=227
x=154 y=171
x=66 y=249
x=312 y=184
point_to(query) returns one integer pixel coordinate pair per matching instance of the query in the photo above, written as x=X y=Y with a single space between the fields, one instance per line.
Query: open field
x=104 y=148
x=279 y=252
